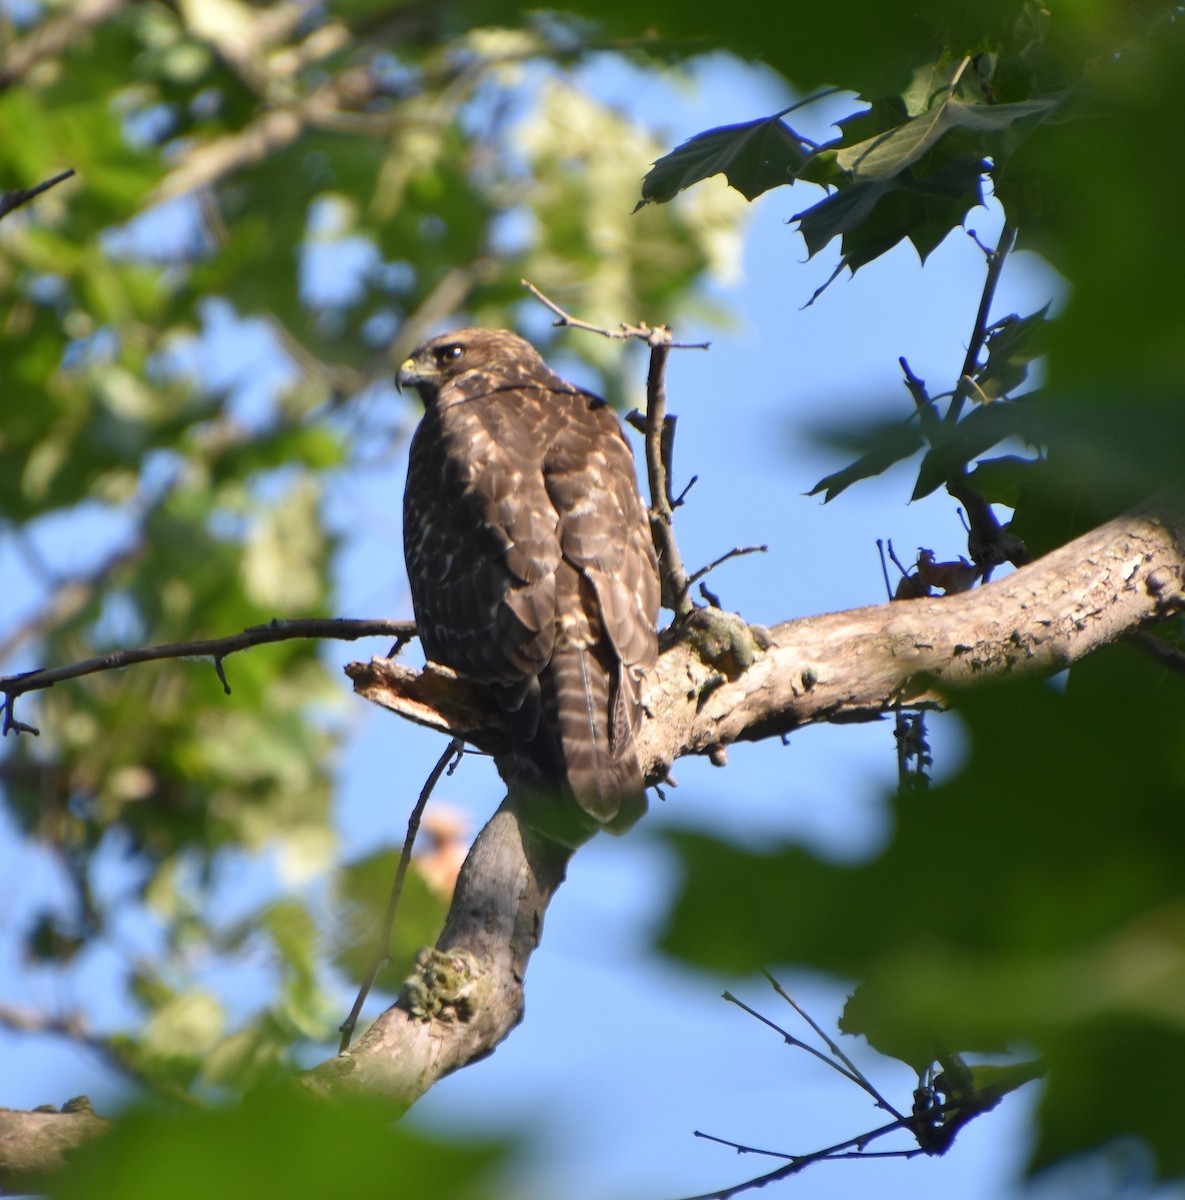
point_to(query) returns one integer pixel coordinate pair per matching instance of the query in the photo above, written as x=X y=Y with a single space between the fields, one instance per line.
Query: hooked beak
x=407 y=375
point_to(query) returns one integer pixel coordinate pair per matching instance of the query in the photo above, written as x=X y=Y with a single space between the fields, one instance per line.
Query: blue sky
x=622 y=1055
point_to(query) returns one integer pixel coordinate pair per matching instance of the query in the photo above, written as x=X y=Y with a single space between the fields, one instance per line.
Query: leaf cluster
x=270 y=205
x=1029 y=904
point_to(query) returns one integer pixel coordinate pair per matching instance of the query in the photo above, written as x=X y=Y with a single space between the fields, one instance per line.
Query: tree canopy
x=270 y=204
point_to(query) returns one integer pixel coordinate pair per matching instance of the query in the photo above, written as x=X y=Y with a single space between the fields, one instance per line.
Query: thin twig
x=1160 y=651
x=383 y=949
x=921 y=398
x=980 y=330
x=13 y=200
x=675 y=584
x=796 y=1042
x=735 y=552
x=800 y=1162
x=657 y=336
x=217 y=649
x=833 y=1046
x=658 y=438
x=895 y=560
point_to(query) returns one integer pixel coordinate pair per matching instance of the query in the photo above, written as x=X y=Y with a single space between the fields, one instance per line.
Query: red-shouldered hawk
x=531 y=567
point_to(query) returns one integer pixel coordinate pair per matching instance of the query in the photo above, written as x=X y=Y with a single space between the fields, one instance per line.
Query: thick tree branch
x=846 y=666
x=466 y=994
x=35 y=1144
x=854 y=666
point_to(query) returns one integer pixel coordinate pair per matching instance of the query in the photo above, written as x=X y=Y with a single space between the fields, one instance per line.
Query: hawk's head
x=491 y=356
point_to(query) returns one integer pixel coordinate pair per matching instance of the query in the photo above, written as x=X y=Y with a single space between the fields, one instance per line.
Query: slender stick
x=640 y=332
x=979 y=332
x=659 y=442
x=13 y=200
x=383 y=949
x=216 y=649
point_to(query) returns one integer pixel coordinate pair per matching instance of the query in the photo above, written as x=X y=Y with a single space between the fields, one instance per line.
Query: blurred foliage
x=1033 y=902
x=273 y=202
x=349 y=1148
x=333 y=182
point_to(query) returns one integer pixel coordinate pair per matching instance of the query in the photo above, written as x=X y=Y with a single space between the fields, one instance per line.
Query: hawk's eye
x=447 y=354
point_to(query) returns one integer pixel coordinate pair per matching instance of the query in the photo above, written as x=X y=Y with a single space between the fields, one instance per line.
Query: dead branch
x=448 y=760
x=856 y=665
x=659 y=435
x=466 y=994
x=13 y=200
x=215 y=649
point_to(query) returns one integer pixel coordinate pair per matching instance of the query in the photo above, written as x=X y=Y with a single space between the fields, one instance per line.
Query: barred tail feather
x=581 y=747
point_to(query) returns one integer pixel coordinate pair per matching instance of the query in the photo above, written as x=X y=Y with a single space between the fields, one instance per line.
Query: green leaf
x=891 y=444
x=365 y=888
x=1043 y=906
x=281 y=1142
x=1001 y=480
x=872 y=217
x=838 y=214
x=993 y=1081
x=753 y=157
x=953 y=447
x=1012 y=345
x=888 y=154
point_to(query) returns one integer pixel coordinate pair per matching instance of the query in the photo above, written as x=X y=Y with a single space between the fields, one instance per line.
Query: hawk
x=532 y=569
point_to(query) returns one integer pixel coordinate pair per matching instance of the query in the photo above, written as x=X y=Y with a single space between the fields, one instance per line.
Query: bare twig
x=217 y=649
x=13 y=200
x=735 y=552
x=658 y=336
x=383 y=948
x=675 y=584
x=852 y=1071
x=851 y=1148
x=921 y=398
x=796 y=1042
x=1160 y=651
x=659 y=432
x=989 y=543
x=979 y=333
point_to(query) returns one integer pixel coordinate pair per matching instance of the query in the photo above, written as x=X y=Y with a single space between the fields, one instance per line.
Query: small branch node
x=10 y=721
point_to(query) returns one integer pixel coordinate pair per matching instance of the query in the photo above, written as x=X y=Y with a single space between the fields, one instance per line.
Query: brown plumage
x=531 y=566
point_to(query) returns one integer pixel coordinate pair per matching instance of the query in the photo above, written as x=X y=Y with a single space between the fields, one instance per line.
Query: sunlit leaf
x=888 y=154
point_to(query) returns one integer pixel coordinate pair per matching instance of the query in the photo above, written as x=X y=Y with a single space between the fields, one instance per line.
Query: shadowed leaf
x=753 y=157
